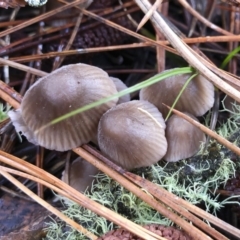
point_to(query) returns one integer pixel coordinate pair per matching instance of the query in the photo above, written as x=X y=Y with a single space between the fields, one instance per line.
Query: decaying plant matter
x=37 y=41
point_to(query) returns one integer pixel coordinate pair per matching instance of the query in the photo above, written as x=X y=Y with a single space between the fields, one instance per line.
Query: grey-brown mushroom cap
x=184 y=139
x=197 y=98
x=81 y=174
x=120 y=87
x=65 y=90
x=132 y=134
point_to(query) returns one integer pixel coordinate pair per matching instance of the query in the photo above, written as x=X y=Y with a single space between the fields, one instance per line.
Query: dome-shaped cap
x=132 y=134
x=197 y=98
x=121 y=86
x=60 y=92
x=184 y=139
x=81 y=174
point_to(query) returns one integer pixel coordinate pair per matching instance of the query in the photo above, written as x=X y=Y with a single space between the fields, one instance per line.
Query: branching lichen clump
x=110 y=194
x=195 y=179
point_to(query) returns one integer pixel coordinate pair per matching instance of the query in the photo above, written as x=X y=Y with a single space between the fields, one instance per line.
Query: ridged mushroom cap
x=121 y=86
x=132 y=134
x=81 y=174
x=184 y=139
x=60 y=92
x=197 y=98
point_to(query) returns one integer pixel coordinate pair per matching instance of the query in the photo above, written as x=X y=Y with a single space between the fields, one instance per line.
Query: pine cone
x=169 y=233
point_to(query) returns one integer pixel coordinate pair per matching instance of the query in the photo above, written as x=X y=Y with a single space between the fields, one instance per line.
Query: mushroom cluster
x=130 y=133
x=183 y=138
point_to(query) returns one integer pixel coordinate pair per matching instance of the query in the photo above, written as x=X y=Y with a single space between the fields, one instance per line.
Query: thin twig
x=149 y=14
x=23 y=67
x=188 y=54
x=46 y=205
x=39 y=18
x=206 y=130
x=28 y=58
x=77 y=196
x=58 y=61
x=168 y=197
x=202 y=19
x=4 y=94
x=191 y=230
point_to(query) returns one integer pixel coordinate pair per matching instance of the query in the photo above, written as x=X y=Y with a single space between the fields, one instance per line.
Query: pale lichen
x=195 y=179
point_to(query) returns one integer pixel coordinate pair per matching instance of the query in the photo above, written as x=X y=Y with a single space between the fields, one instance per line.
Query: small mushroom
x=121 y=86
x=81 y=174
x=184 y=139
x=132 y=134
x=197 y=98
x=60 y=92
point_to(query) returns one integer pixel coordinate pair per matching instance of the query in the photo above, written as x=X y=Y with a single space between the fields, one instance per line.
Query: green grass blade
x=229 y=57
x=180 y=93
x=134 y=88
